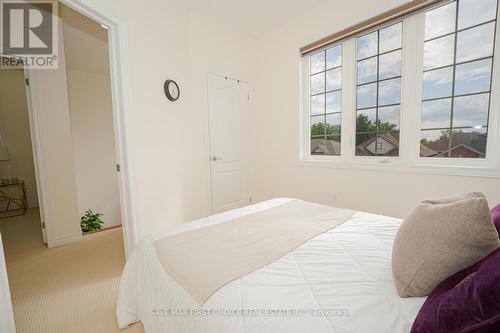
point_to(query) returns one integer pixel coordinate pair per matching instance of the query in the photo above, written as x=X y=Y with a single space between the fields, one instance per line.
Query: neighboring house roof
x=322 y=146
x=474 y=142
x=457 y=147
x=390 y=137
x=427 y=152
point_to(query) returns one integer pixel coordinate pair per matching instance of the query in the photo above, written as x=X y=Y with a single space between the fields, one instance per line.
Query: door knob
x=215 y=158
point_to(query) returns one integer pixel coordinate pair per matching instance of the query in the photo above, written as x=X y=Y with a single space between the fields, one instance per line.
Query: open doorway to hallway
x=19 y=198
x=86 y=136
x=76 y=284
x=91 y=118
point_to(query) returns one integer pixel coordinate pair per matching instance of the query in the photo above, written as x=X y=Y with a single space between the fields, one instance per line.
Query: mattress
x=338 y=281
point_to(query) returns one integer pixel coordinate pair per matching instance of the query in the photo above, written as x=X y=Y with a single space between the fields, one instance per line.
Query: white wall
x=15 y=130
x=91 y=116
x=168 y=146
x=277 y=124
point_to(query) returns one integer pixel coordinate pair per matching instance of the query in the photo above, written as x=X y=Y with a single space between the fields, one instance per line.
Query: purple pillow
x=468 y=301
x=495 y=215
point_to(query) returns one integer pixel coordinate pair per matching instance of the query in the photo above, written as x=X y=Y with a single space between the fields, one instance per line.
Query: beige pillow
x=455 y=198
x=439 y=238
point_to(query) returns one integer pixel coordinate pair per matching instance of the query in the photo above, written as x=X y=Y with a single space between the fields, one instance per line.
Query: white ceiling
x=85 y=42
x=254 y=17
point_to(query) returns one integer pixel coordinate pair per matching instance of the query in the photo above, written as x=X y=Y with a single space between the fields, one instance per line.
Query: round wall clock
x=172 y=90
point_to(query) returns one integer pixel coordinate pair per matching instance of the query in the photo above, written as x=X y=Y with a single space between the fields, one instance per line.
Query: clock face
x=171 y=90
x=174 y=90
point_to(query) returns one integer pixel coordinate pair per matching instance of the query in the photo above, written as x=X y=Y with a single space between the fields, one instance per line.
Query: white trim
x=7 y=323
x=67 y=240
x=382 y=165
x=348 y=100
x=304 y=142
x=206 y=136
x=409 y=159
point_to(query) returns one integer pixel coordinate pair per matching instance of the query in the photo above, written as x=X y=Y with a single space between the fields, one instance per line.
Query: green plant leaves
x=91 y=221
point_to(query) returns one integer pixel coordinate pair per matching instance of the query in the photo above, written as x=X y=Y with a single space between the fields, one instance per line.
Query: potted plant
x=91 y=221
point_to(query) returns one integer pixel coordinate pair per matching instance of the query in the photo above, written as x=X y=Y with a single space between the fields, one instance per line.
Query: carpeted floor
x=66 y=289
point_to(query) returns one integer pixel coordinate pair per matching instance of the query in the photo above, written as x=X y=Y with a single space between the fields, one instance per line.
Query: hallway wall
x=92 y=132
x=15 y=132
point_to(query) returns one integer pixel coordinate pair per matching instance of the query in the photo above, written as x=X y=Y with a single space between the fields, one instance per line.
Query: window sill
x=388 y=165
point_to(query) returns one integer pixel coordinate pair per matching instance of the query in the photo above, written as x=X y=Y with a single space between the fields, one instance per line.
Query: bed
x=337 y=281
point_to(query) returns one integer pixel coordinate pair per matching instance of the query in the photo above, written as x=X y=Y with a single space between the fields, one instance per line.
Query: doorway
x=229 y=153
x=91 y=120
x=40 y=81
x=70 y=127
x=19 y=197
x=92 y=266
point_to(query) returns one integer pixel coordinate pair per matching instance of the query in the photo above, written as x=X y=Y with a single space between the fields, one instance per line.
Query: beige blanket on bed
x=204 y=260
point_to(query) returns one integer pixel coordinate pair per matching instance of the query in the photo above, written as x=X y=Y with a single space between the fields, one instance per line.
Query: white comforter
x=345 y=272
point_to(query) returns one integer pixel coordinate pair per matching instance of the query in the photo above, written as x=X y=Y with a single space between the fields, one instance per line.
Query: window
x=457 y=71
x=326 y=101
x=420 y=93
x=378 y=92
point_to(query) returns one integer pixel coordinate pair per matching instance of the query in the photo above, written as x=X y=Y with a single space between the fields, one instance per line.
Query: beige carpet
x=67 y=289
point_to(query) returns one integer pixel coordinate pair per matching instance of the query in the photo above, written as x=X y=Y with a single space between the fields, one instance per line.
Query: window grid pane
x=456 y=97
x=325 y=113
x=379 y=92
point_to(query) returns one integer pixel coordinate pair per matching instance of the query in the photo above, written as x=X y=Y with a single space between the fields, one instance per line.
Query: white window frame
x=409 y=159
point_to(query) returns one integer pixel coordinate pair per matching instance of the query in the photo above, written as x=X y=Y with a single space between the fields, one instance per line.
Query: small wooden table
x=13 y=200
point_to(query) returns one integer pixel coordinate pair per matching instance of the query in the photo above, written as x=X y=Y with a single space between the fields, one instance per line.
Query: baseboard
x=101 y=230
x=66 y=240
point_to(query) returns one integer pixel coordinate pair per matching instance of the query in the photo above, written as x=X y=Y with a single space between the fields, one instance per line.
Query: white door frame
x=122 y=128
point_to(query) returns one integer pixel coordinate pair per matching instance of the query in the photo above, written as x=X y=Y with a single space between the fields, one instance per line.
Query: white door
x=228 y=124
x=36 y=160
